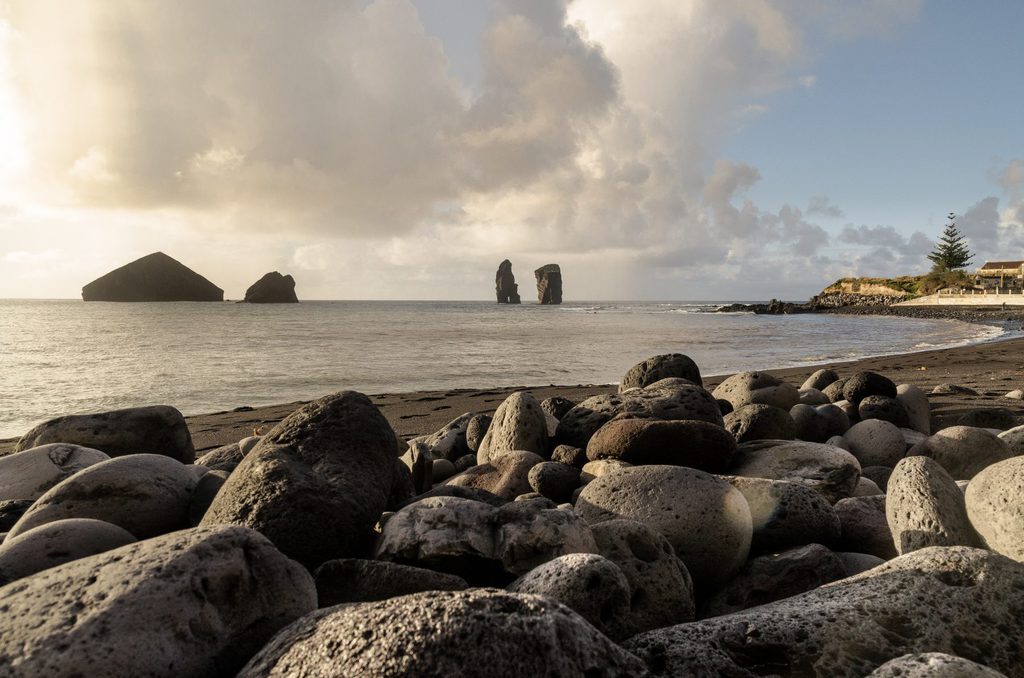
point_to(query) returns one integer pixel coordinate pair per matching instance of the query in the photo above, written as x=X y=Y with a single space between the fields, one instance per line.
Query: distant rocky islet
x=760 y=528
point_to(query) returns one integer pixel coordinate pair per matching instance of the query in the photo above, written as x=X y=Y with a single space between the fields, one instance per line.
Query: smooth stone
x=554 y=480
x=572 y=456
x=354 y=580
x=223 y=458
x=660 y=588
x=933 y=665
x=205 y=492
x=246 y=444
x=950 y=599
x=146 y=494
x=665 y=399
x=918 y=409
x=786 y=514
x=444 y=633
x=883 y=408
x=830 y=470
x=813 y=397
x=924 y=507
x=866 y=488
x=483 y=544
x=963 y=451
x=855 y=563
x=749 y=388
x=1015 y=394
x=996 y=509
x=476 y=429
x=876 y=442
x=1014 y=439
x=197 y=602
x=442 y=470
x=759 y=422
x=316 y=484
x=519 y=424
x=30 y=473
x=449 y=442
x=57 y=543
x=157 y=429
x=821 y=379
x=587 y=583
x=697 y=444
x=669 y=365
x=953 y=389
x=864 y=384
x=865 y=528
x=706 y=520
x=507 y=475
x=774 y=576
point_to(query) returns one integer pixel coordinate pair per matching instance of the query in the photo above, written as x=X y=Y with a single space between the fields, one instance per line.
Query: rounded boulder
x=669 y=365
x=963 y=451
x=748 y=388
x=995 y=508
x=876 y=442
x=697 y=444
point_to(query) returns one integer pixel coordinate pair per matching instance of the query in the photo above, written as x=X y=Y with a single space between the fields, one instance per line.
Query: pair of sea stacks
x=158 y=277
x=549 y=284
x=664 y=530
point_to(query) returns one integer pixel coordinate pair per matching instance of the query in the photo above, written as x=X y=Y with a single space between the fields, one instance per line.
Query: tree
x=951 y=251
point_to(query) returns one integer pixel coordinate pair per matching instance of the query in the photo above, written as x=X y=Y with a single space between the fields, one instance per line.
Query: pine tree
x=951 y=251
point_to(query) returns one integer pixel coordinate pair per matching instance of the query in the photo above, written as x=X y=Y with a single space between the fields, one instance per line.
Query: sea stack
x=549 y=284
x=273 y=288
x=505 y=284
x=154 y=277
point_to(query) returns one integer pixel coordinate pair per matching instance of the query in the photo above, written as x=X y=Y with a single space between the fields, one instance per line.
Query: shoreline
x=990 y=366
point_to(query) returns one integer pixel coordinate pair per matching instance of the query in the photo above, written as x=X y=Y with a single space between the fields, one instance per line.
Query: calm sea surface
x=62 y=357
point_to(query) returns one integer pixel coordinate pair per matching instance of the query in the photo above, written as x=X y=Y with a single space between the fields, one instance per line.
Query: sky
x=400 y=149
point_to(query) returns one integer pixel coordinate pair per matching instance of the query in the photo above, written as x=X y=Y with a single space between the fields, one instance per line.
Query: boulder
x=198 y=602
x=556 y=406
x=569 y=455
x=917 y=407
x=660 y=589
x=154 y=277
x=817 y=424
x=883 y=408
x=1014 y=439
x=554 y=480
x=223 y=458
x=519 y=424
x=483 y=544
x=933 y=665
x=57 y=543
x=272 y=288
x=995 y=507
x=866 y=488
x=666 y=366
x=353 y=580
x=505 y=284
x=448 y=442
x=877 y=474
x=664 y=399
x=748 y=388
x=812 y=396
x=549 y=284
x=706 y=520
x=316 y=484
x=864 y=384
x=786 y=514
x=146 y=494
x=157 y=429
x=587 y=583
x=876 y=442
x=682 y=442
x=924 y=507
x=205 y=492
x=775 y=576
x=834 y=391
x=821 y=379
x=864 y=526
x=477 y=634
x=829 y=470
x=963 y=450
x=958 y=600
x=507 y=475
x=476 y=429
x=760 y=422
x=442 y=470
x=30 y=473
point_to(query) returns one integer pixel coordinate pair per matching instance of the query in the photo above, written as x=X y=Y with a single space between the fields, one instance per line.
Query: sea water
x=67 y=356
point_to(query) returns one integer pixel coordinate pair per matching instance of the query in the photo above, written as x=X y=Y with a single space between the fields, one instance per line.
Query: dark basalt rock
x=505 y=284
x=549 y=284
x=154 y=277
x=273 y=288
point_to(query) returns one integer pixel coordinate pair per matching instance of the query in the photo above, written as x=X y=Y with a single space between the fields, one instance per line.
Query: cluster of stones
x=757 y=529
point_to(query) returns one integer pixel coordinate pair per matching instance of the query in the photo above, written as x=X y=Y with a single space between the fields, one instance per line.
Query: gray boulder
x=706 y=520
x=824 y=468
x=30 y=473
x=354 y=580
x=669 y=365
x=519 y=424
x=821 y=379
x=507 y=475
x=448 y=442
x=883 y=408
x=759 y=422
x=146 y=494
x=749 y=388
x=476 y=429
x=476 y=634
x=924 y=507
x=876 y=443
x=1014 y=439
x=917 y=407
x=834 y=391
x=995 y=507
x=813 y=397
x=157 y=429
x=865 y=528
x=819 y=423
x=963 y=450
x=697 y=444
x=864 y=384
x=194 y=603
x=316 y=484
x=958 y=600
x=223 y=458
x=57 y=543
x=786 y=514
x=556 y=406
x=567 y=454
x=933 y=665
x=554 y=480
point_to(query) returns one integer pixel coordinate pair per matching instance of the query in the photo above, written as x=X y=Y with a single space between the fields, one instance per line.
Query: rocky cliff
x=154 y=277
x=549 y=284
x=505 y=284
x=272 y=288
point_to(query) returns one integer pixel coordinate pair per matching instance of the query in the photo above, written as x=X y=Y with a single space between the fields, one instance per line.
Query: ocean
x=67 y=356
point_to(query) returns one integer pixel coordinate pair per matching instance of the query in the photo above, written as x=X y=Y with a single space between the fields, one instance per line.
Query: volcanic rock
x=697 y=444
x=519 y=424
x=505 y=284
x=154 y=277
x=924 y=507
x=994 y=506
x=660 y=367
x=748 y=388
x=57 y=543
x=825 y=468
x=507 y=475
x=272 y=288
x=786 y=514
x=30 y=473
x=549 y=284
x=963 y=450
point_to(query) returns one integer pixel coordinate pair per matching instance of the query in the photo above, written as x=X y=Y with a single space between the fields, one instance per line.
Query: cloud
x=820 y=205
